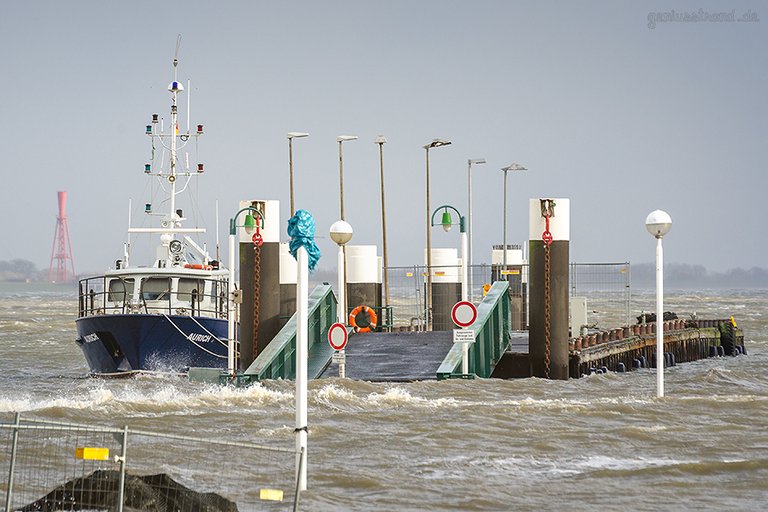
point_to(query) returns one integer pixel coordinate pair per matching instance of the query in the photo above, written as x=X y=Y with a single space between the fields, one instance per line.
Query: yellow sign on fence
x=271 y=494
x=89 y=453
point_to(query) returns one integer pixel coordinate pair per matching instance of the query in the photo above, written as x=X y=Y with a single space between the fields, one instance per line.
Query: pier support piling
x=548 y=338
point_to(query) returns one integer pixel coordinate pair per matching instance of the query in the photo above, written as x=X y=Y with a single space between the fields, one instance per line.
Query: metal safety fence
x=606 y=287
x=61 y=466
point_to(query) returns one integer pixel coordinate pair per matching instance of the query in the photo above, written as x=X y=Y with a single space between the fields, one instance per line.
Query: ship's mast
x=172 y=254
x=175 y=88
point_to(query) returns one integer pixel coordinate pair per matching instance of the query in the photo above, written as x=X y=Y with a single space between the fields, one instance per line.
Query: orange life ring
x=369 y=313
x=199 y=267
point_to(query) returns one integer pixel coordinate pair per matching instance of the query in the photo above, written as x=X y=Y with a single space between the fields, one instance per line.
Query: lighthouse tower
x=62 y=249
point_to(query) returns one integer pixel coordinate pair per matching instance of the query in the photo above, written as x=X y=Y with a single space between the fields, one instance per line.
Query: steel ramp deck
x=394 y=356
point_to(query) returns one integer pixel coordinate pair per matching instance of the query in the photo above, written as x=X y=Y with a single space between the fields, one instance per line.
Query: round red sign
x=337 y=336
x=464 y=313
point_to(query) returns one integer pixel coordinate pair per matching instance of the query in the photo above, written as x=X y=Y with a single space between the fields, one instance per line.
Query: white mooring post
x=302 y=330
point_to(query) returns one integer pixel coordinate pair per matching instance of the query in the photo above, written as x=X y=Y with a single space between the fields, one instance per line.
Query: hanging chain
x=547 y=239
x=257 y=242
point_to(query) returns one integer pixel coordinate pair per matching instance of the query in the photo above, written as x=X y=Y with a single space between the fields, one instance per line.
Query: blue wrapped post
x=301 y=229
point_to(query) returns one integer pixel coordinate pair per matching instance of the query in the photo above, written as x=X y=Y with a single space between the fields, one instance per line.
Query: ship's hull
x=167 y=343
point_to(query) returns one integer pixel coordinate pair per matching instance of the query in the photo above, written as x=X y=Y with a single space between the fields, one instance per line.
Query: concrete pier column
x=288 y=274
x=363 y=279
x=253 y=340
x=446 y=286
x=559 y=227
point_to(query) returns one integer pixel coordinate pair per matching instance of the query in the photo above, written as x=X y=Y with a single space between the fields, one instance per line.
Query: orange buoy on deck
x=363 y=319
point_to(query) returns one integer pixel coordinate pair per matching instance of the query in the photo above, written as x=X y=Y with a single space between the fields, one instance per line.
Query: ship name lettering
x=199 y=338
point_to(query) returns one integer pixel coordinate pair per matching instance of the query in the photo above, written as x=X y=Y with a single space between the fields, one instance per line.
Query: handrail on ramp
x=492 y=335
x=278 y=359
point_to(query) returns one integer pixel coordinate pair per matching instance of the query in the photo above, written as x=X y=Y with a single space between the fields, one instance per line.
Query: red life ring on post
x=363 y=319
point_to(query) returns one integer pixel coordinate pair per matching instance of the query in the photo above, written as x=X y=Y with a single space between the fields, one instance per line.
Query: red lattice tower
x=62 y=249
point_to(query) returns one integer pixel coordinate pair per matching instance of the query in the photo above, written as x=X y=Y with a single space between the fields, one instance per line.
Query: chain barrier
x=547 y=239
x=257 y=243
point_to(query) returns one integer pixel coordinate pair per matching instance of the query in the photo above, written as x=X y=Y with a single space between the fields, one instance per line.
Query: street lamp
x=447 y=222
x=291 y=136
x=512 y=167
x=341 y=233
x=436 y=143
x=340 y=139
x=249 y=223
x=476 y=161
x=380 y=140
x=658 y=223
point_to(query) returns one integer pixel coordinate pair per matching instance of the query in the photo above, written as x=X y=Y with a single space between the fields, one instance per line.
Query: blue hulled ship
x=172 y=313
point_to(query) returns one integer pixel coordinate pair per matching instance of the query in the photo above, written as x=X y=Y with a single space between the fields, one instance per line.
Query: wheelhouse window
x=189 y=287
x=156 y=288
x=119 y=289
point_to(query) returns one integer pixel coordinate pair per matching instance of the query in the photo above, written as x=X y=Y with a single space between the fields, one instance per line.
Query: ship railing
x=96 y=298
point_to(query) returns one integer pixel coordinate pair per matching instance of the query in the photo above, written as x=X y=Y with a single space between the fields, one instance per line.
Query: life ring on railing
x=199 y=267
x=363 y=319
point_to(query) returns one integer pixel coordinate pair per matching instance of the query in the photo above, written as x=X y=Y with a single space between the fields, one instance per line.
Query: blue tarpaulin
x=301 y=229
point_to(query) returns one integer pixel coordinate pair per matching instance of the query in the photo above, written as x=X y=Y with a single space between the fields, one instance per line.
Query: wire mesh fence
x=57 y=466
x=606 y=286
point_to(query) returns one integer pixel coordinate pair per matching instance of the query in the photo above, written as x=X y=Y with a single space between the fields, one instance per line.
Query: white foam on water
x=91 y=399
x=164 y=397
x=337 y=397
x=399 y=397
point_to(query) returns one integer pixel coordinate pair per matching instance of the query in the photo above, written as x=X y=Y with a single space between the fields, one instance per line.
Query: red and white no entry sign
x=337 y=336
x=463 y=313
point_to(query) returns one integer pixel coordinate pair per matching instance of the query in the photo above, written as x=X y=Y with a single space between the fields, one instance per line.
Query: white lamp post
x=249 y=224
x=447 y=223
x=513 y=167
x=436 y=143
x=658 y=223
x=476 y=161
x=291 y=136
x=341 y=233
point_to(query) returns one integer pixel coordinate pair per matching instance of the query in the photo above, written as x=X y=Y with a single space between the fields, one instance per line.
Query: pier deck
x=402 y=356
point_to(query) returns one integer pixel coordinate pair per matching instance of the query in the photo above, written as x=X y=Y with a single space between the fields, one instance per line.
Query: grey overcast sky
x=605 y=107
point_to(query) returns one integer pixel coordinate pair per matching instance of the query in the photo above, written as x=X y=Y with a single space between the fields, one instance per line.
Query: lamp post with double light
x=512 y=167
x=470 y=162
x=291 y=136
x=436 y=143
x=658 y=223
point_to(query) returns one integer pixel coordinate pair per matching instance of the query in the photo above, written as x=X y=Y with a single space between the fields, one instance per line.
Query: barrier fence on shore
x=62 y=466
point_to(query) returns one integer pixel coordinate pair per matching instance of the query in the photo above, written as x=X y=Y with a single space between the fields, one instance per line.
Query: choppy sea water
x=604 y=441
